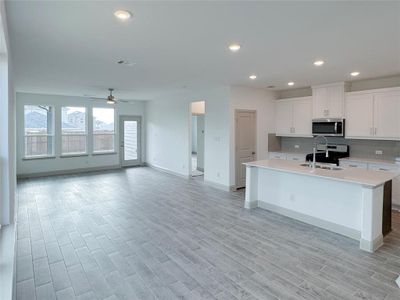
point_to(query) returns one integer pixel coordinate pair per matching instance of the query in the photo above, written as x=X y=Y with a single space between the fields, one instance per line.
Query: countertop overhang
x=367 y=178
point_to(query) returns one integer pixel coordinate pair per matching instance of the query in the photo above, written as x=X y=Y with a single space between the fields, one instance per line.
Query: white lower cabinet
x=301 y=157
x=277 y=155
x=353 y=164
x=296 y=156
x=379 y=167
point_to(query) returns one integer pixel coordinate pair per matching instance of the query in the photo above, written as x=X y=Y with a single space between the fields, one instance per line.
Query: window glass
x=38 y=130
x=103 y=129
x=73 y=130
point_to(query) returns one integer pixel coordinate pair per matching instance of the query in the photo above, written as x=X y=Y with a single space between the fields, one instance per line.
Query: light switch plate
x=378 y=152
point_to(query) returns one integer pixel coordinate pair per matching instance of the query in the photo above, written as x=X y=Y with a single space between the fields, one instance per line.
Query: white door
x=283 y=118
x=245 y=143
x=130 y=133
x=387 y=115
x=359 y=115
x=302 y=117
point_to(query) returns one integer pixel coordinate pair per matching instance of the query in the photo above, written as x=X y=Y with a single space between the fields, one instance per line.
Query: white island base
x=342 y=205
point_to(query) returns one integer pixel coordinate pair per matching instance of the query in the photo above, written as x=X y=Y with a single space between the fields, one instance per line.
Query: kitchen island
x=349 y=201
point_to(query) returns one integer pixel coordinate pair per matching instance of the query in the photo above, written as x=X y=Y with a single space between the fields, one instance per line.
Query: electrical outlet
x=378 y=152
x=296 y=146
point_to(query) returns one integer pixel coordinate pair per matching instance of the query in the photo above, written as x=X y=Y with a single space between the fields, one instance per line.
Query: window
x=73 y=130
x=103 y=130
x=39 y=133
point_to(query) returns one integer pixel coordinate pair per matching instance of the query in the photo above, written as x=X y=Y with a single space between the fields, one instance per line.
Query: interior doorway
x=245 y=140
x=197 y=110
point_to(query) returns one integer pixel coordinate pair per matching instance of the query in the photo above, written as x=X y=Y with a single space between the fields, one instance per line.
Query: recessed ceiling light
x=354 y=74
x=319 y=63
x=290 y=83
x=123 y=14
x=234 y=47
x=252 y=77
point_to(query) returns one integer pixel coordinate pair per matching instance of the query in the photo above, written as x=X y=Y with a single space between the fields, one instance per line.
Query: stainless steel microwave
x=328 y=127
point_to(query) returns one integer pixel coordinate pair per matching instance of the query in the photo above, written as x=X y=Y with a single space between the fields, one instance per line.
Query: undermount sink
x=322 y=166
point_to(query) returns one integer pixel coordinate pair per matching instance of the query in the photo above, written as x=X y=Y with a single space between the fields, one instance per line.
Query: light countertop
x=370 y=178
x=370 y=160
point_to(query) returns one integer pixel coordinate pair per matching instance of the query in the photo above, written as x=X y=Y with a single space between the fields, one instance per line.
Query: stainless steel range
x=335 y=152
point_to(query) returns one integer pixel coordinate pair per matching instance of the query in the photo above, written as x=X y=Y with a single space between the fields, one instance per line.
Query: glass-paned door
x=130 y=133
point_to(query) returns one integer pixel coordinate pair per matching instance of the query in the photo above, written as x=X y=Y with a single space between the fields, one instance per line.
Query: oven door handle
x=335 y=127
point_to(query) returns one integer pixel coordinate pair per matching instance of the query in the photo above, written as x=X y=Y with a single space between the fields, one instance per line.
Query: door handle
x=253 y=153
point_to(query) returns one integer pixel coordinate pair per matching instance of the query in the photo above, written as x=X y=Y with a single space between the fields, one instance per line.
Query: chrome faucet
x=316 y=138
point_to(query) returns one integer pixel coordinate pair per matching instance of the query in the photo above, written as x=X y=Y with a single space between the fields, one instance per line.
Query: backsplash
x=358 y=148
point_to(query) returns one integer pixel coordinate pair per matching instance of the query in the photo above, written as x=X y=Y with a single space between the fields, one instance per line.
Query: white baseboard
x=68 y=172
x=349 y=232
x=371 y=246
x=219 y=186
x=161 y=169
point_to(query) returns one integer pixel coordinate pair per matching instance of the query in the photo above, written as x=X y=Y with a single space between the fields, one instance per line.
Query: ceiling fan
x=110 y=98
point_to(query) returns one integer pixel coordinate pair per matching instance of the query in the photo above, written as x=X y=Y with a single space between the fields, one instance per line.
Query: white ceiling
x=71 y=47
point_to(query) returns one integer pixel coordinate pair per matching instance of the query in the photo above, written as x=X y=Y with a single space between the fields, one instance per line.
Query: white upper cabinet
x=373 y=114
x=293 y=117
x=387 y=115
x=302 y=116
x=283 y=117
x=359 y=115
x=328 y=100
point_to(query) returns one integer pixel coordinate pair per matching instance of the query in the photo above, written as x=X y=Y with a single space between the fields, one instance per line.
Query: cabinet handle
x=371 y=131
x=382 y=169
x=294 y=130
x=353 y=166
x=375 y=131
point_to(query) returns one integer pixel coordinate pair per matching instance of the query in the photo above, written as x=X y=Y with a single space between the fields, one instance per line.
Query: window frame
x=52 y=135
x=87 y=134
x=93 y=133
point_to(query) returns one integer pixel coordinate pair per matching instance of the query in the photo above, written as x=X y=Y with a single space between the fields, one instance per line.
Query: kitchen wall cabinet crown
x=328 y=100
x=293 y=117
x=373 y=114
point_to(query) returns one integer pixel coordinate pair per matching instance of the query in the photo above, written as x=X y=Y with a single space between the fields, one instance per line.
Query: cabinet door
x=387 y=115
x=335 y=101
x=320 y=103
x=302 y=117
x=277 y=155
x=296 y=157
x=283 y=117
x=359 y=115
x=353 y=164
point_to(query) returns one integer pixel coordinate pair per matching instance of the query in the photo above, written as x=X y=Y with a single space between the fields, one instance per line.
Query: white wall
x=168 y=133
x=7 y=126
x=198 y=108
x=262 y=101
x=49 y=165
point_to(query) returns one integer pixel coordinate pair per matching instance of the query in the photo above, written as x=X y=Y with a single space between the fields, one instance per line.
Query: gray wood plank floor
x=141 y=234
